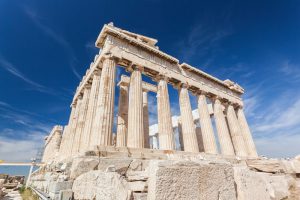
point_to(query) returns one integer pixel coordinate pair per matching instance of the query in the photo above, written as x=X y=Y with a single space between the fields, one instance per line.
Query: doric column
x=87 y=131
x=199 y=139
x=235 y=131
x=165 y=129
x=180 y=136
x=67 y=131
x=188 y=126
x=155 y=142
x=135 y=136
x=222 y=129
x=208 y=136
x=74 y=126
x=81 y=120
x=146 y=119
x=246 y=133
x=103 y=121
x=122 y=121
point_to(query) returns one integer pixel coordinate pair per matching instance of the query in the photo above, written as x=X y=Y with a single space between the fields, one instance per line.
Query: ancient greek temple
x=92 y=109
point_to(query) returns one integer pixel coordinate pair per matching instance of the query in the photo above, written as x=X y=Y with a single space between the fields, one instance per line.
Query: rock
x=56 y=187
x=190 y=180
x=277 y=185
x=138 y=186
x=120 y=165
x=100 y=186
x=139 y=196
x=270 y=166
x=137 y=175
x=250 y=185
x=65 y=194
x=82 y=165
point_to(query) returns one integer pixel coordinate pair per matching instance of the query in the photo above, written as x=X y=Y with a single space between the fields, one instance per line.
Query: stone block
x=137 y=175
x=82 y=165
x=138 y=186
x=65 y=195
x=121 y=164
x=139 y=196
x=190 y=180
x=100 y=185
x=56 y=187
x=269 y=166
x=250 y=185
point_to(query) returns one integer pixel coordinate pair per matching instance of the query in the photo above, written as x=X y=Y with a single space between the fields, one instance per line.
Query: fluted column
x=135 y=136
x=65 y=137
x=235 y=131
x=103 y=121
x=74 y=126
x=180 y=137
x=246 y=133
x=199 y=139
x=188 y=126
x=122 y=121
x=81 y=120
x=146 y=119
x=87 y=131
x=165 y=129
x=222 y=129
x=208 y=136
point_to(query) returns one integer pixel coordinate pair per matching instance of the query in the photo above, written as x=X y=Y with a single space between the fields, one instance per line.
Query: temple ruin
x=177 y=158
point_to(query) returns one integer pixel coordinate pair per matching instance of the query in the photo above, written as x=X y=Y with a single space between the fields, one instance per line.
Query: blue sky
x=46 y=46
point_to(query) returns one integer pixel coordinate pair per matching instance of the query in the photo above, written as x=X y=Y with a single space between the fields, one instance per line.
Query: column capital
x=109 y=56
x=134 y=67
x=181 y=85
x=160 y=76
x=201 y=92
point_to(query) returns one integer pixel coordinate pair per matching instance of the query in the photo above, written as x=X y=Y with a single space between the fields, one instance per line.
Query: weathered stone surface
x=139 y=196
x=190 y=180
x=137 y=175
x=270 y=166
x=56 y=187
x=100 y=185
x=138 y=186
x=81 y=165
x=65 y=194
x=120 y=165
x=249 y=185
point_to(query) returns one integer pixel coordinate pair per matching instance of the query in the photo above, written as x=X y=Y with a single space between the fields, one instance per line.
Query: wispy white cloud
x=280 y=146
x=201 y=40
x=20 y=150
x=9 y=67
x=291 y=70
x=51 y=33
x=12 y=69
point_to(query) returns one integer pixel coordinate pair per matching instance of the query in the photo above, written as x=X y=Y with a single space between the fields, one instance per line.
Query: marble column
x=180 y=137
x=65 y=141
x=146 y=119
x=165 y=129
x=155 y=142
x=103 y=121
x=188 y=126
x=87 y=131
x=200 y=139
x=74 y=126
x=208 y=136
x=235 y=131
x=81 y=120
x=122 y=121
x=246 y=133
x=222 y=129
x=135 y=135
